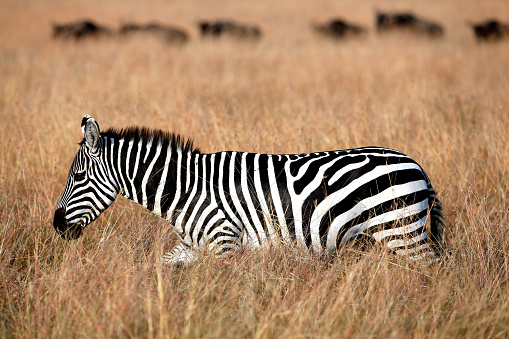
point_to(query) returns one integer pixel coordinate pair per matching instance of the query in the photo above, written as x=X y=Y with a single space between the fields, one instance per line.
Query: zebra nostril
x=59 y=222
x=64 y=229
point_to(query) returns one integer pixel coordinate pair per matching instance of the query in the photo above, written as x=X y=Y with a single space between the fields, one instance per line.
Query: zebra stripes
x=224 y=200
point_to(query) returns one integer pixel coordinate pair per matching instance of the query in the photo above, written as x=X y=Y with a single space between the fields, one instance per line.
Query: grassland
x=445 y=103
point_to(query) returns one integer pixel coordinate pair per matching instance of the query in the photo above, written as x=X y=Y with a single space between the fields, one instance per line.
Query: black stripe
x=202 y=172
x=282 y=185
x=194 y=183
x=170 y=187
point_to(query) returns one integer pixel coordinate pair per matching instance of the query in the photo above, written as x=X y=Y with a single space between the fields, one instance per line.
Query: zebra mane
x=144 y=133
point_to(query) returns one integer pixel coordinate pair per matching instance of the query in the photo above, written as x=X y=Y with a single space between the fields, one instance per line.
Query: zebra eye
x=79 y=176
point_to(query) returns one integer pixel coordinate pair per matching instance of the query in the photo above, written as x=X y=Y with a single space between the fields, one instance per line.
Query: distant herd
x=489 y=30
x=81 y=29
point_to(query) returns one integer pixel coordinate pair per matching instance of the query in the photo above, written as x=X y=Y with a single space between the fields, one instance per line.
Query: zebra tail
x=436 y=230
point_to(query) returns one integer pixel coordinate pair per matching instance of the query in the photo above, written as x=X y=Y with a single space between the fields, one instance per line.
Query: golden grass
x=445 y=103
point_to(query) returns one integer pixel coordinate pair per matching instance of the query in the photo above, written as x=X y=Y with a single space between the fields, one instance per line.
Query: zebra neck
x=153 y=173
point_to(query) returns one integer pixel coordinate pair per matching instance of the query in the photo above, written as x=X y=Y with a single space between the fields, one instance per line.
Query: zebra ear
x=90 y=130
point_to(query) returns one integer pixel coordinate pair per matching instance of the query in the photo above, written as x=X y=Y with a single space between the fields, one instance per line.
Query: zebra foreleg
x=224 y=238
x=180 y=255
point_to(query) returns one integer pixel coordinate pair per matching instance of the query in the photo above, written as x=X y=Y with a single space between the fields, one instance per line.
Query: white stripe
x=276 y=199
x=112 y=162
x=346 y=169
x=104 y=186
x=406 y=242
x=129 y=150
x=238 y=205
x=148 y=145
x=136 y=164
x=131 y=179
x=188 y=171
x=304 y=168
x=212 y=188
x=162 y=182
x=249 y=202
x=177 y=190
x=400 y=230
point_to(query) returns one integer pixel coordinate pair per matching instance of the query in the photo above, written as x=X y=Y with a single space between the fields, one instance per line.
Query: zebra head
x=90 y=187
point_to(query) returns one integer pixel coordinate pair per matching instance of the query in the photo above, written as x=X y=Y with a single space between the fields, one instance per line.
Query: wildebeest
x=407 y=21
x=221 y=28
x=490 y=30
x=80 y=29
x=167 y=33
x=339 y=28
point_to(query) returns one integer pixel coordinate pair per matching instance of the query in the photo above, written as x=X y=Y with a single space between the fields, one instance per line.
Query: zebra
x=223 y=201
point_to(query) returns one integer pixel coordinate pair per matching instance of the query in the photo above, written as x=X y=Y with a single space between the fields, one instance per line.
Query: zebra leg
x=409 y=241
x=223 y=238
x=406 y=238
x=180 y=255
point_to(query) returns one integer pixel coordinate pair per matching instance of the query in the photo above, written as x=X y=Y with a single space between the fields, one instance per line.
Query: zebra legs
x=409 y=241
x=179 y=255
x=402 y=231
x=222 y=238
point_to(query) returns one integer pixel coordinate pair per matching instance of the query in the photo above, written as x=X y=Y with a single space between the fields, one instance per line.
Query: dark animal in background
x=339 y=29
x=80 y=29
x=386 y=22
x=490 y=30
x=167 y=33
x=228 y=28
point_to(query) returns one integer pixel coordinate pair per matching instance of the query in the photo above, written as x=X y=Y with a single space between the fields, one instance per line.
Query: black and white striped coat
x=221 y=201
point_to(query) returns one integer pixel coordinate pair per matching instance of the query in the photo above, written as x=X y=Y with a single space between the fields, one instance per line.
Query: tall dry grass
x=445 y=103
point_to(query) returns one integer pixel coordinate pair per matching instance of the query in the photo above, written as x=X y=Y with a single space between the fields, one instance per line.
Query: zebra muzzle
x=66 y=230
